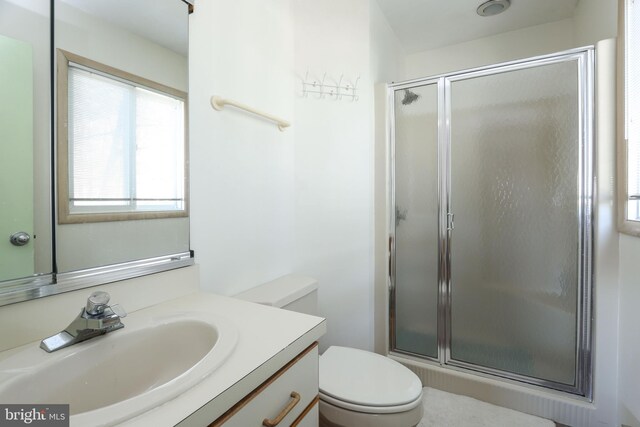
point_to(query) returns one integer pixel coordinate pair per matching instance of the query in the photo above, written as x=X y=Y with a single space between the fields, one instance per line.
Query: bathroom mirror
x=25 y=135
x=121 y=79
x=145 y=41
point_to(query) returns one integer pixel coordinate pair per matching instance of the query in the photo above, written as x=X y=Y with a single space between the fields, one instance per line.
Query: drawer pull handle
x=295 y=398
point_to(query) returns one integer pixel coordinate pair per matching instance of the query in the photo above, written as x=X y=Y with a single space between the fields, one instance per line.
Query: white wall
x=266 y=203
x=334 y=169
x=387 y=54
x=518 y=44
x=242 y=206
x=595 y=20
x=629 y=390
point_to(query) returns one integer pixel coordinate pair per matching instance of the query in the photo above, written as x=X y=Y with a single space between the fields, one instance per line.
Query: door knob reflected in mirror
x=20 y=238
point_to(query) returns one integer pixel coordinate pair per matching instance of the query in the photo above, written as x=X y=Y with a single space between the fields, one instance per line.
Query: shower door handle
x=449 y=222
x=391 y=260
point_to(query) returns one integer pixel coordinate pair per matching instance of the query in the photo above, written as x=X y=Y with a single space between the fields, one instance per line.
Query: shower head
x=409 y=97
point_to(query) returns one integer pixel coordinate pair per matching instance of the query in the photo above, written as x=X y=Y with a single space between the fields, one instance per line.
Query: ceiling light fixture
x=493 y=7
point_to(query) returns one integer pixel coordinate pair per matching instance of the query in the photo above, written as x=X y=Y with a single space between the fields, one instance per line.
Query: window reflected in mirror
x=124 y=154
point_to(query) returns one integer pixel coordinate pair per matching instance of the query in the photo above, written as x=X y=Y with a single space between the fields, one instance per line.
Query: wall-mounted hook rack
x=335 y=90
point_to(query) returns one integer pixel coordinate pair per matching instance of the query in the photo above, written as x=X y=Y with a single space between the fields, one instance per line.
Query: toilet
x=357 y=388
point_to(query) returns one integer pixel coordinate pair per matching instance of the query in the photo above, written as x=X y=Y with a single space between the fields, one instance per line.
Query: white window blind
x=632 y=119
x=126 y=146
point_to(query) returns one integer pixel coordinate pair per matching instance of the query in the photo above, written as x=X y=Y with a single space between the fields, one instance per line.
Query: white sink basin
x=112 y=378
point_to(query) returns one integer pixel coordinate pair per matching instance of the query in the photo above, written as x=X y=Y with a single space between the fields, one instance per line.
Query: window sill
x=81 y=218
x=630 y=228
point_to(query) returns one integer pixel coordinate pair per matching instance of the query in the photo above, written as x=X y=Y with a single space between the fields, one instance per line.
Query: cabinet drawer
x=289 y=391
x=310 y=416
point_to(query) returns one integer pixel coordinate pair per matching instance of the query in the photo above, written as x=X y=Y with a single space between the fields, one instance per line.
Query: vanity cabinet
x=288 y=398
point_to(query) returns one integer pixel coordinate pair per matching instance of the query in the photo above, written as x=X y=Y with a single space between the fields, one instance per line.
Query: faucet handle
x=97 y=302
x=119 y=311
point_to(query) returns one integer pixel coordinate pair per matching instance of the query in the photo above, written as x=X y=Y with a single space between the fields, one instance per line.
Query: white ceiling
x=163 y=21
x=429 y=24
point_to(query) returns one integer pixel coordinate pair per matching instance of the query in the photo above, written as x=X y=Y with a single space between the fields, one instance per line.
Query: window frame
x=62 y=86
x=625 y=225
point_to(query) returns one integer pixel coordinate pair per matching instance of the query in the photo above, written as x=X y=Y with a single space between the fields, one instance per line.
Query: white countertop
x=268 y=338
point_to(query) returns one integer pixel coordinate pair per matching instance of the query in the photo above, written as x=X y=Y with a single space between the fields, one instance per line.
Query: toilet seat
x=371 y=409
x=367 y=382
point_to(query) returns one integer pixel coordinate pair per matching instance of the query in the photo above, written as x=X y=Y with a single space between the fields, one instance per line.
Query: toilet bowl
x=357 y=388
x=363 y=389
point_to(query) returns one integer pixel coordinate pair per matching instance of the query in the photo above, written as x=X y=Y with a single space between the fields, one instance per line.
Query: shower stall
x=491 y=220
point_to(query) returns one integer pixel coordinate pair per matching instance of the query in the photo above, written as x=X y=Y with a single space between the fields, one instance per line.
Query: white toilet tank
x=293 y=292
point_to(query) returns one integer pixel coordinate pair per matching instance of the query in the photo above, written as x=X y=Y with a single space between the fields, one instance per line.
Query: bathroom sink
x=109 y=379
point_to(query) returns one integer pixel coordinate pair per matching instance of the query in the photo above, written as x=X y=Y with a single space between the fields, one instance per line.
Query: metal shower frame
x=585 y=59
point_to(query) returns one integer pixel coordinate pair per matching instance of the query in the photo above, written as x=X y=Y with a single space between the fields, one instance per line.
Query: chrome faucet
x=96 y=319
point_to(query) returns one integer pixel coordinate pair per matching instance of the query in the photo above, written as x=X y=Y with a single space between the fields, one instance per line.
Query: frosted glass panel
x=514 y=175
x=416 y=184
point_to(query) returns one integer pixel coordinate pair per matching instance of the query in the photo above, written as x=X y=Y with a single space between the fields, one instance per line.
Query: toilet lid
x=367 y=379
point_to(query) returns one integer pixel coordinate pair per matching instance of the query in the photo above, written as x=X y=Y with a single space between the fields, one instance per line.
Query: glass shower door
x=491 y=232
x=515 y=250
x=415 y=326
